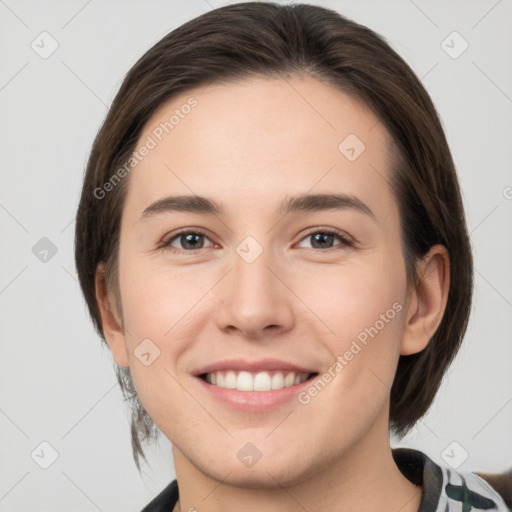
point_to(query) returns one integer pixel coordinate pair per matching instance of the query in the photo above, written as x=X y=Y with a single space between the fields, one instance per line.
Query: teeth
x=230 y=380
x=261 y=381
x=245 y=382
x=277 y=381
x=288 y=380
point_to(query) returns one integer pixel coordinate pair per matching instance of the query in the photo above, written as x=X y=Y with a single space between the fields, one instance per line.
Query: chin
x=274 y=469
x=261 y=476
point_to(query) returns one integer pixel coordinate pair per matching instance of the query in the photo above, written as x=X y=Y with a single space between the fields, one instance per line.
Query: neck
x=364 y=478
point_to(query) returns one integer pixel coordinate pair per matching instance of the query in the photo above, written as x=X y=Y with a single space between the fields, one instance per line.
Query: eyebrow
x=300 y=203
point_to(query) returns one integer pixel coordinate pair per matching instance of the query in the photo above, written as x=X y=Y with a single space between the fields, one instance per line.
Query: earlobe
x=428 y=300
x=113 y=330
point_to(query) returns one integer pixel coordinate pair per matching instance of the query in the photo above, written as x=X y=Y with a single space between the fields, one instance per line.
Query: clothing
x=443 y=489
x=165 y=501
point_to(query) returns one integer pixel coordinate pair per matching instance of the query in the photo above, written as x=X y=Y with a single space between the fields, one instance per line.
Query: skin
x=248 y=145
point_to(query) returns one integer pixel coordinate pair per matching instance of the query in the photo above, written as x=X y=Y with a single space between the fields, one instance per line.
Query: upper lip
x=252 y=366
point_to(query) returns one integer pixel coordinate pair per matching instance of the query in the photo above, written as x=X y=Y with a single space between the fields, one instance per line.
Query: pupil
x=322 y=238
x=189 y=241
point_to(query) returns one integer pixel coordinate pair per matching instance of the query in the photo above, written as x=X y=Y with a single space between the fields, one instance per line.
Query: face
x=263 y=317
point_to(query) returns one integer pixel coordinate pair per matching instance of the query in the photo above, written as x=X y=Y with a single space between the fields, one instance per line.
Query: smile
x=255 y=381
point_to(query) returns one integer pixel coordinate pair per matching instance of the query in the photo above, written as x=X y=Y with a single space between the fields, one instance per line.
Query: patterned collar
x=446 y=490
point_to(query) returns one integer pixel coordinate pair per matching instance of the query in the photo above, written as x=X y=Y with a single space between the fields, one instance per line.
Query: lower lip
x=254 y=401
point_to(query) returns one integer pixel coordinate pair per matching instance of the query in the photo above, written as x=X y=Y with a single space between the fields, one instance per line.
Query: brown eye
x=187 y=241
x=326 y=240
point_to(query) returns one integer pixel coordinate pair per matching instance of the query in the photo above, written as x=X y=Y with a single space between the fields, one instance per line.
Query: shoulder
x=165 y=501
x=446 y=489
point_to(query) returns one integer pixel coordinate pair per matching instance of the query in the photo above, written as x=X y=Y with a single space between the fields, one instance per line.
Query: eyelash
x=345 y=241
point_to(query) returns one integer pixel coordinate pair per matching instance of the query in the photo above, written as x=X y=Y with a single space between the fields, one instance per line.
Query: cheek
x=157 y=336
x=157 y=302
x=366 y=314
x=163 y=314
x=355 y=298
x=362 y=310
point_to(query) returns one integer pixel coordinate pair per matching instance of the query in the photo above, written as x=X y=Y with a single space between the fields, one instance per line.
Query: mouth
x=261 y=381
x=254 y=386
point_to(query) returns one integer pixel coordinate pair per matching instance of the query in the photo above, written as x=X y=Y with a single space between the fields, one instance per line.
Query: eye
x=325 y=238
x=187 y=241
x=190 y=241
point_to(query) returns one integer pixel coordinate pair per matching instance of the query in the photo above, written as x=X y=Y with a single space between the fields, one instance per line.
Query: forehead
x=258 y=138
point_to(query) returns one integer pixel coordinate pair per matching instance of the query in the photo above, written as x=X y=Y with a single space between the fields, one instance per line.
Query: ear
x=427 y=300
x=113 y=329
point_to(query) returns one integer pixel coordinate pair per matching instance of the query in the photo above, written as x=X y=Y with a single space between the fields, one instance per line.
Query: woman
x=272 y=242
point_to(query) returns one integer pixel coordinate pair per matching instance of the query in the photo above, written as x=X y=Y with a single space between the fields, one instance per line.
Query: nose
x=254 y=301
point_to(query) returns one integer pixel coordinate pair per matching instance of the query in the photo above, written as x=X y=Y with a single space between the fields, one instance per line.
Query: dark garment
x=443 y=489
x=165 y=501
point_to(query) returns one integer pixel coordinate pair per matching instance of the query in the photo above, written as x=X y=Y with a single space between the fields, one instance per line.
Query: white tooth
x=277 y=380
x=288 y=380
x=230 y=380
x=245 y=382
x=262 y=382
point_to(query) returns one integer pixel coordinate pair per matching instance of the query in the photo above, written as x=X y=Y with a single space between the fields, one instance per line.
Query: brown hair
x=272 y=40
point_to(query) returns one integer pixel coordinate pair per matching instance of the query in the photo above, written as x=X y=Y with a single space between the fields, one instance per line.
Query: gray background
x=56 y=381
